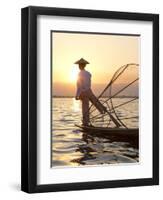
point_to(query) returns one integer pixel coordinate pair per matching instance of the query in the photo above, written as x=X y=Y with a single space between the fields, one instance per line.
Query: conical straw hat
x=81 y=61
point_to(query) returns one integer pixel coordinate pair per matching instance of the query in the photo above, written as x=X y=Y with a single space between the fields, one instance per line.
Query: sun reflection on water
x=76 y=105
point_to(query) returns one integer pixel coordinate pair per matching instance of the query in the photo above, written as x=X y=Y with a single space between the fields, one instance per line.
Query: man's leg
x=96 y=102
x=85 y=110
x=102 y=109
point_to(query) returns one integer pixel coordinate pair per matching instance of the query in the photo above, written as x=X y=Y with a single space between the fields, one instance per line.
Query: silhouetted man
x=84 y=92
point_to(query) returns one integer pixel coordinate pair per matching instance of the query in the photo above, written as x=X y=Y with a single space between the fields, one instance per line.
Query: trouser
x=85 y=97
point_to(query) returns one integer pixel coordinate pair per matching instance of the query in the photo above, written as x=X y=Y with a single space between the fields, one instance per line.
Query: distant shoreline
x=102 y=97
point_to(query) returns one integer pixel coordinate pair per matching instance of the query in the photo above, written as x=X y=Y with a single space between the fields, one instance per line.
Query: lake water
x=72 y=147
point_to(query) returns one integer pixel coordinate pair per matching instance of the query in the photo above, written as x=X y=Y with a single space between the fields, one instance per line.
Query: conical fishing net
x=121 y=98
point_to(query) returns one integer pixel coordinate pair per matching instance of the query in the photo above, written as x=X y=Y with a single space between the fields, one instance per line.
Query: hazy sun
x=74 y=74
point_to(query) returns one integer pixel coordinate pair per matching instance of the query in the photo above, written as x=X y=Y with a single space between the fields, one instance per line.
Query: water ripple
x=72 y=147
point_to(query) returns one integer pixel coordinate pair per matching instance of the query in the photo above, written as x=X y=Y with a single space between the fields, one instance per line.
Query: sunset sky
x=105 y=53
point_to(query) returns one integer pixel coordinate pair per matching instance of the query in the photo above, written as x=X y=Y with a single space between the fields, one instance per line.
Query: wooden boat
x=109 y=131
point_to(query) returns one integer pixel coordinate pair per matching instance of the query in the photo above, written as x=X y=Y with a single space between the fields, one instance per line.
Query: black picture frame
x=29 y=99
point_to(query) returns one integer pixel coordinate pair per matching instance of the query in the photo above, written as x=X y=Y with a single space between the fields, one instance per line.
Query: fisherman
x=84 y=92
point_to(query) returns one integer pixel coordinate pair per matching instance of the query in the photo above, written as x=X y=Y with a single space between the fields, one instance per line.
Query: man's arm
x=78 y=88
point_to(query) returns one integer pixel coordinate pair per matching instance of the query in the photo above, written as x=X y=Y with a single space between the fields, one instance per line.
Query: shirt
x=83 y=82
